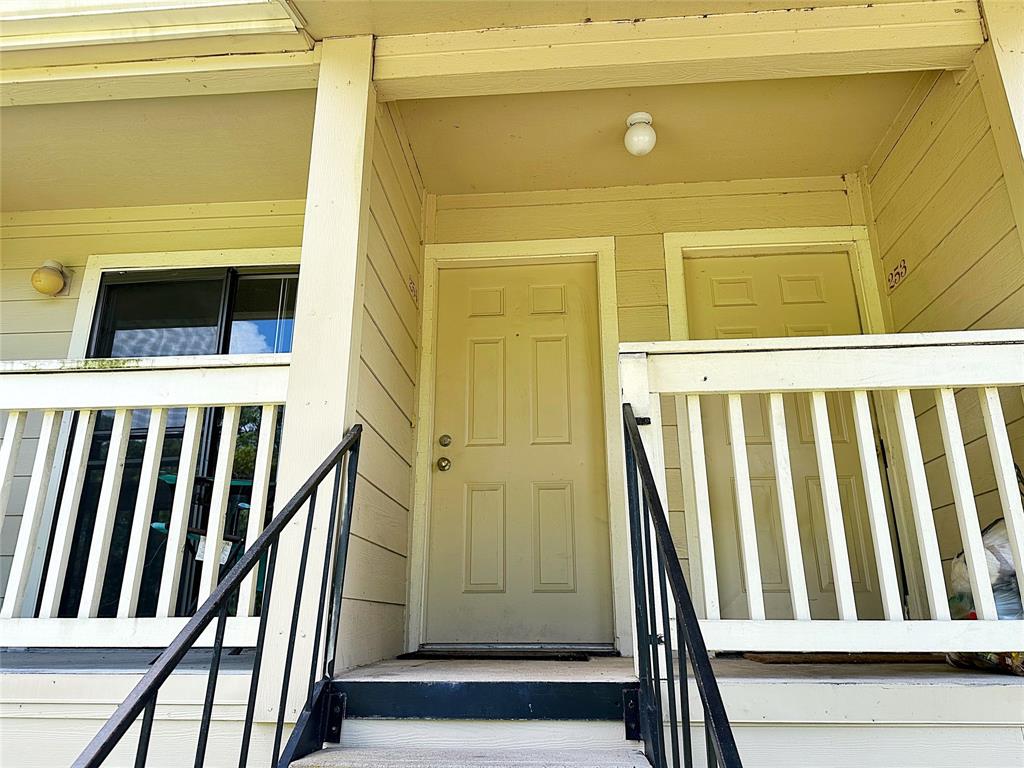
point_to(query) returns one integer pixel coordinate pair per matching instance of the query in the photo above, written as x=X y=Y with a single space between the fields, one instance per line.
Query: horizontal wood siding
x=637 y=217
x=941 y=208
x=385 y=399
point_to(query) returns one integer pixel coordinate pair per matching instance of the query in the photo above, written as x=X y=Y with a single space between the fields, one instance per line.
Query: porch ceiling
x=252 y=146
x=331 y=18
x=706 y=132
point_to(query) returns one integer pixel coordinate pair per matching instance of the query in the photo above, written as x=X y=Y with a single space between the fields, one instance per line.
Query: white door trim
x=853 y=240
x=600 y=250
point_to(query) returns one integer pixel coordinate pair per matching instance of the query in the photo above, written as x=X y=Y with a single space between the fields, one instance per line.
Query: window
x=194 y=312
x=178 y=312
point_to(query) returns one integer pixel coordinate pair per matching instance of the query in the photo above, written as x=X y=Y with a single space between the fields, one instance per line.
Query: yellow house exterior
x=516 y=447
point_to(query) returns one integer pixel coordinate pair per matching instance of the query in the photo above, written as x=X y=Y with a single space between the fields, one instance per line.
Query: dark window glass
x=159 y=318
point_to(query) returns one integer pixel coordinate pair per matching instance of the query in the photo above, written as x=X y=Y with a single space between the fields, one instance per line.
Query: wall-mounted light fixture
x=640 y=136
x=51 y=279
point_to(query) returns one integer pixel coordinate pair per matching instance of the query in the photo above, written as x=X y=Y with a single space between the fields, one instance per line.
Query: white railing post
x=699 y=504
x=832 y=505
x=885 y=559
x=963 y=500
x=751 y=561
x=921 y=505
x=1006 y=476
x=14 y=595
x=787 y=509
x=328 y=328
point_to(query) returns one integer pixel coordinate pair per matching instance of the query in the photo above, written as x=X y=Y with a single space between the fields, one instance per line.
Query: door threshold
x=512 y=651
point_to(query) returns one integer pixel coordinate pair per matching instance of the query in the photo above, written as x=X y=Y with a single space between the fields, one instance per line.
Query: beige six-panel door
x=777 y=295
x=518 y=548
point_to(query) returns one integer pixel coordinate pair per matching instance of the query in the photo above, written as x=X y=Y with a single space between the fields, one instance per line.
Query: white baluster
x=885 y=561
x=138 y=537
x=702 y=502
x=745 y=510
x=13 y=430
x=787 y=509
x=219 y=502
x=963 y=498
x=258 y=502
x=1006 y=476
x=38 y=483
x=833 y=509
x=106 y=513
x=67 y=515
x=920 y=503
x=181 y=506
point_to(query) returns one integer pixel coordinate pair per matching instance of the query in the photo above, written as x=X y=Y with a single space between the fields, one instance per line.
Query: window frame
x=230 y=278
x=100 y=265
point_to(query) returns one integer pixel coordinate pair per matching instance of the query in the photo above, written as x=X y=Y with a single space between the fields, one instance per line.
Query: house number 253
x=897 y=274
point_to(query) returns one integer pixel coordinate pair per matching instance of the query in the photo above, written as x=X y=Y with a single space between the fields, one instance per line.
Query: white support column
x=325 y=351
x=1000 y=66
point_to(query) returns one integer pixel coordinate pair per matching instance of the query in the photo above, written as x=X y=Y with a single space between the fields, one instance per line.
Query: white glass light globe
x=640 y=136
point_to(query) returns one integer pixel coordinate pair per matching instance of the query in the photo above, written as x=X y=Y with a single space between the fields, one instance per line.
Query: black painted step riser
x=483 y=700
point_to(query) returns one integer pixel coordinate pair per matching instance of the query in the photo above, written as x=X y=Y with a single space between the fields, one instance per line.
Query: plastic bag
x=1005 y=589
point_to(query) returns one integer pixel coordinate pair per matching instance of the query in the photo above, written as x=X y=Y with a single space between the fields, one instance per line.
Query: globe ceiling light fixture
x=51 y=279
x=640 y=136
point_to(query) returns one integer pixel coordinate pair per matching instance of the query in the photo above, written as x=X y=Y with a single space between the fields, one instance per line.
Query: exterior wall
x=637 y=217
x=385 y=403
x=941 y=208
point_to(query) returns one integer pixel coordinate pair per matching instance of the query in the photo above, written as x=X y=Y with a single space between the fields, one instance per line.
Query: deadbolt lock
x=444 y=440
x=444 y=464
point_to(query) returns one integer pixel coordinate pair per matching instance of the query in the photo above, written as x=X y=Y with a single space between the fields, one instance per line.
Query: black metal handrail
x=308 y=733
x=657 y=578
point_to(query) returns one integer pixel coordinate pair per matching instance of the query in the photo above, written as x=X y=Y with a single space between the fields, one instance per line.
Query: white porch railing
x=50 y=411
x=924 y=389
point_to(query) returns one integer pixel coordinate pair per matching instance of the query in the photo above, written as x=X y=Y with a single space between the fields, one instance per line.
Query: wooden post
x=325 y=351
x=1000 y=66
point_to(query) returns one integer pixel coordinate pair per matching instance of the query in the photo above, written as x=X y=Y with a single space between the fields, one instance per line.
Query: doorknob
x=444 y=464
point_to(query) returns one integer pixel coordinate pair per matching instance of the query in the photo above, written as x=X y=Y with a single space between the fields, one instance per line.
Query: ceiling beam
x=167 y=77
x=738 y=46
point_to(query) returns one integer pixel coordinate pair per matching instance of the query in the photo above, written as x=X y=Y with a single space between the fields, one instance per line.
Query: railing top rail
x=172 y=382
x=122 y=364
x=811 y=343
x=124 y=716
x=834 y=363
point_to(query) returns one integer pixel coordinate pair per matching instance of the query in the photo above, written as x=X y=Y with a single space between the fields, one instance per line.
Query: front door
x=518 y=535
x=801 y=294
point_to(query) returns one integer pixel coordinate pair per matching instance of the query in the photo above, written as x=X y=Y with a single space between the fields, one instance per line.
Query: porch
x=810 y=298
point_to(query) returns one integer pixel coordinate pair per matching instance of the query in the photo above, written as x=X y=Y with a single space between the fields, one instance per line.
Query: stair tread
x=341 y=757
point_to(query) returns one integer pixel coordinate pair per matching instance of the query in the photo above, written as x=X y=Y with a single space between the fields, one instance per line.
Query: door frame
x=436 y=257
x=853 y=240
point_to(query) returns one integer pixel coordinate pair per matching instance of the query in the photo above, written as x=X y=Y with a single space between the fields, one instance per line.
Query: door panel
x=779 y=295
x=518 y=536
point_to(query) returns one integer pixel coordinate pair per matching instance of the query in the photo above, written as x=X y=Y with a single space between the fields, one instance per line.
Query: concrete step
x=341 y=757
